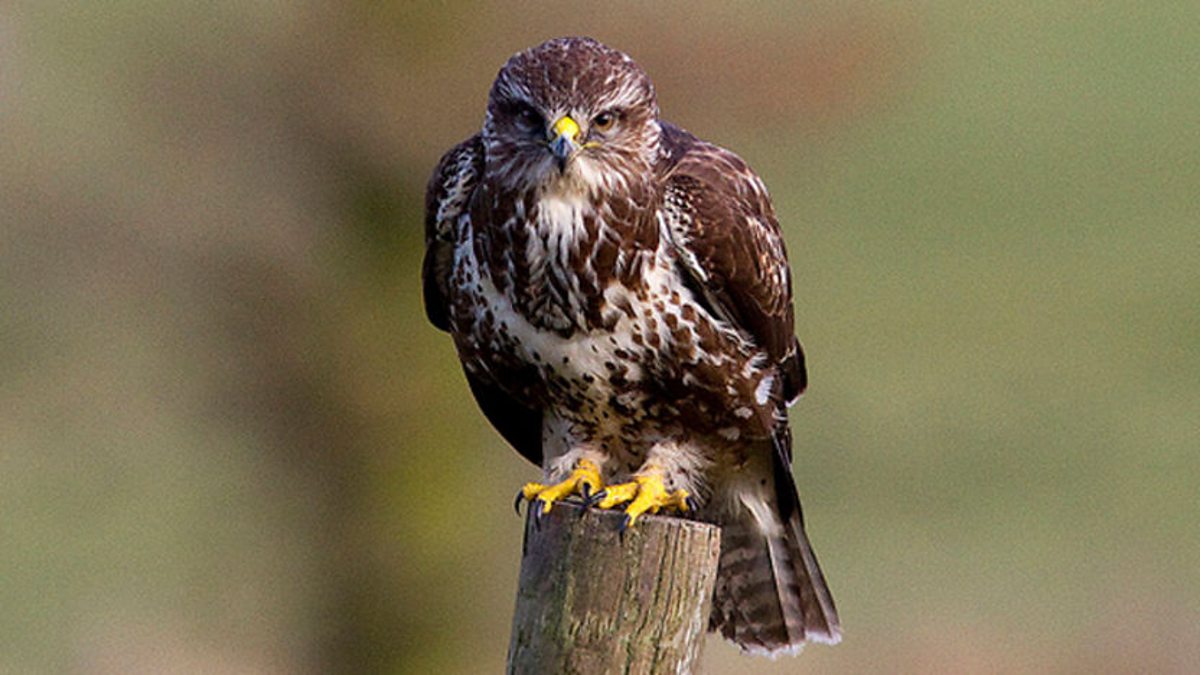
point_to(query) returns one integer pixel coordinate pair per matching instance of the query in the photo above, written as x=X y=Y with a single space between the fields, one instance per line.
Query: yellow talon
x=681 y=500
x=618 y=494
x=646 y=493
x=584 y=480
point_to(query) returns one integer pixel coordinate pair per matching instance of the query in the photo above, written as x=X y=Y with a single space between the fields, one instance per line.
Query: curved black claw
x=595 y=498
x=590 y=498
x=539 y=512
x=517 y=502
x=691 y=503
x=624 y=527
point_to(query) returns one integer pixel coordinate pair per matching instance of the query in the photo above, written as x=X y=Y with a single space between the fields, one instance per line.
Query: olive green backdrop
x=230 y=442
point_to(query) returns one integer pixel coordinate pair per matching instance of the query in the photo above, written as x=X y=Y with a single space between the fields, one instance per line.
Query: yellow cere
x=565 y=126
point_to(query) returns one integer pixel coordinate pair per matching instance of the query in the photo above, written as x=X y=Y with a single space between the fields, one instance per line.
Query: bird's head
x=571 y=115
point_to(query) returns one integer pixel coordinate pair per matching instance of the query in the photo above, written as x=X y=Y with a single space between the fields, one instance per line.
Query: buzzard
x=619 y=296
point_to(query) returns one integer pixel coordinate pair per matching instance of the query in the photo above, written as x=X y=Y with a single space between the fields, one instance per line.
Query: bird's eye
x=529 y=119
x=604 y=121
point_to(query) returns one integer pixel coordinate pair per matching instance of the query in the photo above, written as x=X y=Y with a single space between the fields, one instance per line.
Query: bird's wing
x=770 y=596
x=519 y=425
x=721 y=222
x=446 y=198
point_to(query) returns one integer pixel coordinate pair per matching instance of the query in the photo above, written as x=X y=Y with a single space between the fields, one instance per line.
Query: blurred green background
x=230 y=442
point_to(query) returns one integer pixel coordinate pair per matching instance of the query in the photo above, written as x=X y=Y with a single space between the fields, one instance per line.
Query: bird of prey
x=619 y=295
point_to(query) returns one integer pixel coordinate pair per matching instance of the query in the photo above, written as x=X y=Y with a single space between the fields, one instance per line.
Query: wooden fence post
x=592 y=602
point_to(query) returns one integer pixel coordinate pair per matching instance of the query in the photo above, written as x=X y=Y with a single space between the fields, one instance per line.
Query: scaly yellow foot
x=584 y=480
x=645 y=493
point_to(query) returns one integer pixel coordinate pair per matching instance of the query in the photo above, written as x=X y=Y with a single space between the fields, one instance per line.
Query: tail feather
x=820 y=615
x=770 y=596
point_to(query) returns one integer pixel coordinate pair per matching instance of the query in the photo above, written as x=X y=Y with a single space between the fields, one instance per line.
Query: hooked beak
x=563 y=140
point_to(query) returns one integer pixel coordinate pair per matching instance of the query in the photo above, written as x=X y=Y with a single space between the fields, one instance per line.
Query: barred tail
x=770 y=596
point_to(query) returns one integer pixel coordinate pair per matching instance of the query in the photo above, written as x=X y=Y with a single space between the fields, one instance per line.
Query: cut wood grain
x=591 y=601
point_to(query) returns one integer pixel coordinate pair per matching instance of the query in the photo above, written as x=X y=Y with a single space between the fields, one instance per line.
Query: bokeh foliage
x=229 y=441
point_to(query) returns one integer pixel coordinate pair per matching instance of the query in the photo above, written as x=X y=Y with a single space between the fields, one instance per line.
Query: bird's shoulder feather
x=722 y=223
x=447 y=196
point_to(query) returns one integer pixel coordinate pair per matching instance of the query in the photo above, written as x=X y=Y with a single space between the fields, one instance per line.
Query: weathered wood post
x=591 y=601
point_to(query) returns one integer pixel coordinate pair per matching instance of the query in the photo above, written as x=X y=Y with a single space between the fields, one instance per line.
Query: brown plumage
x=618 y=291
